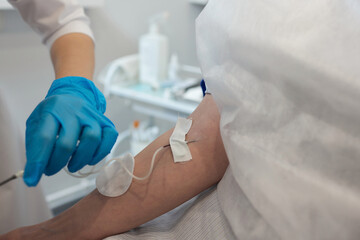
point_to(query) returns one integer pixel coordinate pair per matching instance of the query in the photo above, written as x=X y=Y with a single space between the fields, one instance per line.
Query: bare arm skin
x=171 y=184
x=73 y=55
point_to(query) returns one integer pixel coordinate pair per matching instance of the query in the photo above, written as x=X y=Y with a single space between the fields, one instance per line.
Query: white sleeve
x=52 y=19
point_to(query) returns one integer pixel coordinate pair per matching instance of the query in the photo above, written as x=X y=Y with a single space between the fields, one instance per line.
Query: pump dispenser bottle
x=154 y=53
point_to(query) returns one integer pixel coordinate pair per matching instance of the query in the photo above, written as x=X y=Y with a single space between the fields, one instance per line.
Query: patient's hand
x=171 y=184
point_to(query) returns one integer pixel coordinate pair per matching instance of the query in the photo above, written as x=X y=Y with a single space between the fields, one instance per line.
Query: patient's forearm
x=170 y=184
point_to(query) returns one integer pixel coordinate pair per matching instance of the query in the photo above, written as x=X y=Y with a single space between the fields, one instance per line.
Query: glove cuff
x=79 y=86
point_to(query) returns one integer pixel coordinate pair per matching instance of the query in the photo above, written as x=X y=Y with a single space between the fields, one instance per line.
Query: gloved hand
x=72 y=110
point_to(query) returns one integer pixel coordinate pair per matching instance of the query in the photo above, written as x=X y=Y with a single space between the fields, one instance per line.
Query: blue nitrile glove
x=72 y=110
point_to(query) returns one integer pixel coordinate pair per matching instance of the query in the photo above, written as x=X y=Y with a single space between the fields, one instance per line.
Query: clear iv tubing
x=84 y=175
x=151 y=166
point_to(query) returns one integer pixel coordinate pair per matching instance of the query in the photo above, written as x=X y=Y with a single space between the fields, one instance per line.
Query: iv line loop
x=84 y=175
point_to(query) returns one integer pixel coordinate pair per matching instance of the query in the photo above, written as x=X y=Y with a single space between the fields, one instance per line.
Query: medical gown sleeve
x=52 y=19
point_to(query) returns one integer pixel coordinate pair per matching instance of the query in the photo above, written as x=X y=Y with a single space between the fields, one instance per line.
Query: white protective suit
x=286 y=78
x=20 y=205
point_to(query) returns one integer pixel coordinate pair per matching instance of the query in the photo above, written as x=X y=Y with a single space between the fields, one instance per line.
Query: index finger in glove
x=40 y=140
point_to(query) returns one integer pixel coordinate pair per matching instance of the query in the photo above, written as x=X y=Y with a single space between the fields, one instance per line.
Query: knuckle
x=35 y=117
x=112 y=132
x=50 y=101
x=46 y=136
x=65 y=146
x=30 y=120
x=93 y=135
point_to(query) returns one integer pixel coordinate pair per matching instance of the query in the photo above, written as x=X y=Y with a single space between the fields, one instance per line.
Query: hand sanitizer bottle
x=153 y=52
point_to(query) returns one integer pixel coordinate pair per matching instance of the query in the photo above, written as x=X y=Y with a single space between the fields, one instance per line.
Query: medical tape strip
x=178 y=144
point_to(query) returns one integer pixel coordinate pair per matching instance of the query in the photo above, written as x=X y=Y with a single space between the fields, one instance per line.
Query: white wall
x=26 y=71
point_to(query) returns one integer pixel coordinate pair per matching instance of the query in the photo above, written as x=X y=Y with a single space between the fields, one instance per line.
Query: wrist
x=81 y=87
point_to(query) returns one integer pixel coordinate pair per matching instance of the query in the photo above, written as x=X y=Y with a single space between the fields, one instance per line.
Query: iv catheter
x=19 y=174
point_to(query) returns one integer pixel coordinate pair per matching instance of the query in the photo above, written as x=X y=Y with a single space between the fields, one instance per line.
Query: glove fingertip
x=32 y=174
x=97 y=159
x=73 y=168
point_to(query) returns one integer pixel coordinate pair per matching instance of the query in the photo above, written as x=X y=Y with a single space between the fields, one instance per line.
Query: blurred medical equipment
x=154 y=53
x=72 y=110
x=141 y=136
x=174 y=68
x=151 y=67
x=122 y=74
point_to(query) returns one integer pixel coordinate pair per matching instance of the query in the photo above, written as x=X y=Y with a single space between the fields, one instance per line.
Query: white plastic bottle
x=174 y=68
x=154 y=54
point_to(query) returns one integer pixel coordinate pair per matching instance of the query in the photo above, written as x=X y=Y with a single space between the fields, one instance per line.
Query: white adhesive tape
x=178 y=144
